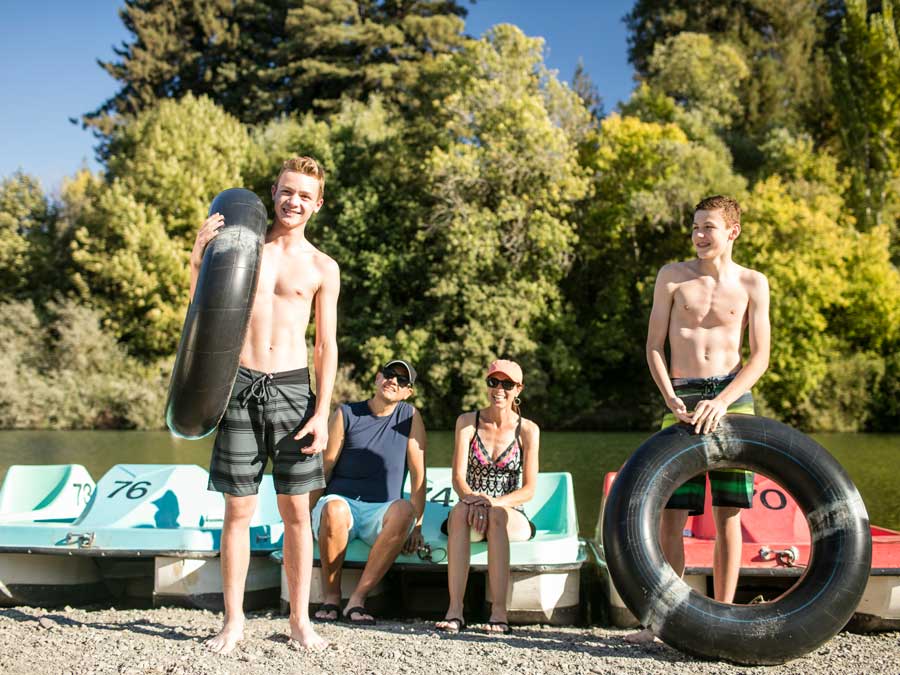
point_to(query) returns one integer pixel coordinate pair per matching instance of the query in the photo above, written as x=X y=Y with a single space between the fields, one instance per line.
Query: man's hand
x=207 y=232
x=414 y=541
x=707 y=415
x=679 y=409
x=317 y=427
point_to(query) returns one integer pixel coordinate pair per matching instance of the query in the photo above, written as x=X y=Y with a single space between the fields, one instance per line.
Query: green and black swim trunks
x=730 y=487
x=264 y=413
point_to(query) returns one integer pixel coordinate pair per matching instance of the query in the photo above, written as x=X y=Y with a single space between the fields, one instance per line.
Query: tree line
x=478 y=204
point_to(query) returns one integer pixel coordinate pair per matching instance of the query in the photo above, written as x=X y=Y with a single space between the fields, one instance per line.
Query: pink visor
x=509 y=368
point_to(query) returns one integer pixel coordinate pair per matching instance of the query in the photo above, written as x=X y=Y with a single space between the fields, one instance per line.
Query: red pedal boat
x=775 y=553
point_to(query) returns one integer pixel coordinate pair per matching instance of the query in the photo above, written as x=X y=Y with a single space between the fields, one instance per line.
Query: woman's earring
x=518 y=401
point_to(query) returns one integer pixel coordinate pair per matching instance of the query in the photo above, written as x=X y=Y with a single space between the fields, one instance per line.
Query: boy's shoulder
x=675 y=271
x=323 y=262
x=750 y=276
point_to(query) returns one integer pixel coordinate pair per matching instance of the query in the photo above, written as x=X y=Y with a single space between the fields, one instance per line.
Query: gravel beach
x=170 y=641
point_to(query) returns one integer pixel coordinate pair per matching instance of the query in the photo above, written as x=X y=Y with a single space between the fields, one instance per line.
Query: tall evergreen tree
x=259 y=59
x=335 y=48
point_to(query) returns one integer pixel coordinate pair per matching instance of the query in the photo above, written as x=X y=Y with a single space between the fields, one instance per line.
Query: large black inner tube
x=796 y=623
x=216 y=322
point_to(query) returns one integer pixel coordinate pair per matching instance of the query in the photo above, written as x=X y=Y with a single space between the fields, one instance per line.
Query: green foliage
x=176 y=157
x=352 y=48
x=373 y=207
x=133 y=232
x=647 y=178
x=835 y=308
x=260 y=59
x=499 y=238
x=477 y=205
x=23 y=213
x=781 y=42
x=78 y=376
x=700 y=75
x=127 y=266
x=866 y=77
x=842 y=401
x=886 y=398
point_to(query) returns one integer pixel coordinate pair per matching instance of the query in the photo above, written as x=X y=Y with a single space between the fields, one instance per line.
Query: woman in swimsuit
x=495 y=469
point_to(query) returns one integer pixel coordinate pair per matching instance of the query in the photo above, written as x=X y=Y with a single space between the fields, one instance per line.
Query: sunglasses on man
x=389 y=373
x=493 y=383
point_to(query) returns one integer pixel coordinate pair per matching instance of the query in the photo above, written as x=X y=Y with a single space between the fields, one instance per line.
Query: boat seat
x=552 y=510
x=40 y=493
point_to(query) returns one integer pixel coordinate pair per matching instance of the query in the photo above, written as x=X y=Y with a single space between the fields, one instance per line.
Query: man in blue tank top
x=371 y=446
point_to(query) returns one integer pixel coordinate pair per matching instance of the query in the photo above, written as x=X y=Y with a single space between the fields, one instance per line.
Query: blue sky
x=49 y=50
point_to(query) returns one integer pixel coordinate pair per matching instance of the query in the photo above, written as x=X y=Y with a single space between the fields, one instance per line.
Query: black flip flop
x=456 y=626
x=356 y=611
x=505 y=628
x=328 y=607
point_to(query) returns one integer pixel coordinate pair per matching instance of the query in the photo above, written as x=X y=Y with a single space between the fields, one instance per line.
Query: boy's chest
x=289 y=277
x=701 y=303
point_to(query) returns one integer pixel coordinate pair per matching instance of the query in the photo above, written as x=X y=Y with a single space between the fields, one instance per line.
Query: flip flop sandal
x=356 y=611
x=499 y=627
x=453 y=626
x=327 y=608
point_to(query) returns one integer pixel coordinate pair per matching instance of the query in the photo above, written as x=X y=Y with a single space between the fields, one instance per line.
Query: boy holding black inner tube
x=702 y=306
x=272 y=411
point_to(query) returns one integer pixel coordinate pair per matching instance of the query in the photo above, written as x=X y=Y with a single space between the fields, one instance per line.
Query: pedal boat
x=545 y=572
x=150 y=533
x=774 y=553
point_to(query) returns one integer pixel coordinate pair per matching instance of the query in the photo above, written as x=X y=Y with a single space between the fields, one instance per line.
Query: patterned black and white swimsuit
x=495 y=477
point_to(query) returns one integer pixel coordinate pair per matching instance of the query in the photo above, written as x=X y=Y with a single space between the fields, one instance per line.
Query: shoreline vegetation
x=458 y=164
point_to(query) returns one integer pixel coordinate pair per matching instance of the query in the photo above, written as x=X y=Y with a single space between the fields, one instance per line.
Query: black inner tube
x=796 y=623
x=216 y=322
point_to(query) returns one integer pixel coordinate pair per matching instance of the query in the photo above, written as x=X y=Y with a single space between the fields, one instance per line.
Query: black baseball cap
x=409 y=369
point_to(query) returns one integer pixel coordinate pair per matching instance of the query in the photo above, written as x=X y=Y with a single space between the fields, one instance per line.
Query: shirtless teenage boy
x=272 y=412
x=702 y=306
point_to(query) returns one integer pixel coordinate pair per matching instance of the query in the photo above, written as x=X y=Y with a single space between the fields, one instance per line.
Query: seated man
x=371 y=446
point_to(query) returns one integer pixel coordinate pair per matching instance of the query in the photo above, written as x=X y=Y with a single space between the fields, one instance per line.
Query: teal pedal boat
x=44 y=497
x=545 y=572
x=148 y=533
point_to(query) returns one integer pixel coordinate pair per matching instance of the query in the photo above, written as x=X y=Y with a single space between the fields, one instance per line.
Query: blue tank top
x=372 y=463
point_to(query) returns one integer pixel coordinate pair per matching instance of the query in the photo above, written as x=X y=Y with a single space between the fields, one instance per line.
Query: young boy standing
x=272 y=411
x=702 y=306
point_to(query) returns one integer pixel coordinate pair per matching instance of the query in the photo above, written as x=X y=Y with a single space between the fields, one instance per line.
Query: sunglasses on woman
x=493 y=383
x=402 y=380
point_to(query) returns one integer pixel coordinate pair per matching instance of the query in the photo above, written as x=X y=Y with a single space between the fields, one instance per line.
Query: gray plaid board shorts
x=264 y=413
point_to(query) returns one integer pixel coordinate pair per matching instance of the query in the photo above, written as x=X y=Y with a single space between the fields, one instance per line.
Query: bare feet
x=305 y=637
x=643 y=637
x=224 y=643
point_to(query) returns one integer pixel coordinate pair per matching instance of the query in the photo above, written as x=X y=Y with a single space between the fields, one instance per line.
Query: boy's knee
x=294 y=511
x=240 y=509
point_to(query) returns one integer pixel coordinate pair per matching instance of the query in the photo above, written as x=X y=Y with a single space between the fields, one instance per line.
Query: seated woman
x=495 y=470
